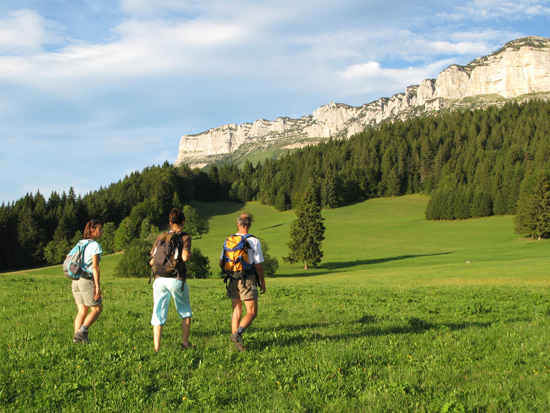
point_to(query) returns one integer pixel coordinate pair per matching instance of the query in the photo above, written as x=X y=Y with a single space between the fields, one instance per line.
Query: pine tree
x=542 y=206
x=307 y=232
x=29 y=239
x=533 y=210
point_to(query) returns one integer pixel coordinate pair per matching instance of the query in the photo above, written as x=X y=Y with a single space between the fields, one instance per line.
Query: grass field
x=403 y=314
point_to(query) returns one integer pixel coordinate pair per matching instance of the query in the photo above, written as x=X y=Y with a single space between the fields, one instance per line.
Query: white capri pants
x=163 y=289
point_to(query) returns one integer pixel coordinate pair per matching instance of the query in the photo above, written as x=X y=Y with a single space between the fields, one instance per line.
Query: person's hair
x=92 y=223
x=245 y=220
x=176 y=217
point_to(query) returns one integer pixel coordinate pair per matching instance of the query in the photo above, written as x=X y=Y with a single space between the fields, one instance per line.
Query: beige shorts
x=243 y=289
x=84 y=291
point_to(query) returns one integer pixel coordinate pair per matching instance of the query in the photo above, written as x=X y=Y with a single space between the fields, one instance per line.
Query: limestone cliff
x=521 y=69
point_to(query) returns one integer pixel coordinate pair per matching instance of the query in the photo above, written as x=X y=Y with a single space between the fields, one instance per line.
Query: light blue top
x=93 y=248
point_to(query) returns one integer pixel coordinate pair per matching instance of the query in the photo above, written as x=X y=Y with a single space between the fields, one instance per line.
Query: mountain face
x=520 y=70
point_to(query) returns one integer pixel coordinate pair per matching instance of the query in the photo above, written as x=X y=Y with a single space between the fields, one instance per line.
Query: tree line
x=473 y=163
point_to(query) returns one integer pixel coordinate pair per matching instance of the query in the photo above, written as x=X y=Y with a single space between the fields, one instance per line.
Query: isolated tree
x=542 y=206
x=194 y=224
x=533 y=209
x=307 y=232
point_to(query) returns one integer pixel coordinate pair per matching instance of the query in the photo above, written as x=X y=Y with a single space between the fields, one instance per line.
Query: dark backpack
x=166 y=255
x=73 y=266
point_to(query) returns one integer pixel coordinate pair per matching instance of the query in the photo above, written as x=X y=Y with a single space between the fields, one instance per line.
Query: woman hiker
x=169 y=274
x=87 y=289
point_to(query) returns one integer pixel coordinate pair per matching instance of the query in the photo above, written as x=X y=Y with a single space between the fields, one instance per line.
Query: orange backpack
x=235 y=261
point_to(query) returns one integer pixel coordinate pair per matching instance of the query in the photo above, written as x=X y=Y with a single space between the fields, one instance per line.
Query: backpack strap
x=228 y=279
x=83 y=246
x=180 y=244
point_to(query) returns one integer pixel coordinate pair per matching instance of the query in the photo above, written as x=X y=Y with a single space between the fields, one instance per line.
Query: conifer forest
x=473 y=163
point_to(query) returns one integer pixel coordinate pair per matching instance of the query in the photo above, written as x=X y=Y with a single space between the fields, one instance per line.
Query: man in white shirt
x=246 y=289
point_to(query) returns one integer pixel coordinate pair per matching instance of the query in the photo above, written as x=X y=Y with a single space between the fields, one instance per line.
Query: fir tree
x=307 y=232
x=533 y=210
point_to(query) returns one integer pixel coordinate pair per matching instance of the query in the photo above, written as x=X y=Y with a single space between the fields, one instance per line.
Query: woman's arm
x=185 y=255
x=186 y=251
x=95 y=271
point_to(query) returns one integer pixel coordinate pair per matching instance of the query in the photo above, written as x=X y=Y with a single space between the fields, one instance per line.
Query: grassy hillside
x=394 y=319
x=388 y=240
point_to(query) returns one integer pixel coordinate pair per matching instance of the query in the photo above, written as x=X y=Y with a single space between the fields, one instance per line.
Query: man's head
x=245 y=221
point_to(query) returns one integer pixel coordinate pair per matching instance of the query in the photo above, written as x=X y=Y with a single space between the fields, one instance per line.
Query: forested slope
x=474 y=163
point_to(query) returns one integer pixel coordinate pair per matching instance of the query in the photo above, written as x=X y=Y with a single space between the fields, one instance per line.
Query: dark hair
x=245 y=220
x=92 y=223
x=176 y=217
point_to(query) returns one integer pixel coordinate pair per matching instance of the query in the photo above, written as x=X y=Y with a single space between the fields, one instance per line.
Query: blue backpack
x=235 y=261
x=73 y=266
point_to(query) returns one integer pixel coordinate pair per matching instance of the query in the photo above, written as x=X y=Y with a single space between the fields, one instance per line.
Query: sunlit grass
x=403 y=314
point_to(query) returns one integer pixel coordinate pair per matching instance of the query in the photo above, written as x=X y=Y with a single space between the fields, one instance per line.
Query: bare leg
x=237 y=312
x=80 y=316
x=251 y=313
x=94 y=314
x=185 y=329
x=157 y=332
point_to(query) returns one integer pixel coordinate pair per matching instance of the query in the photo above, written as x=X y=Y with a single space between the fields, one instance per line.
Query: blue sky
x=91 y=90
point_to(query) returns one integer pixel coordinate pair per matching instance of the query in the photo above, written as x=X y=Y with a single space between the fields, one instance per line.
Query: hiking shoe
x=189 y=346
x=238 y=340
x=81 y=337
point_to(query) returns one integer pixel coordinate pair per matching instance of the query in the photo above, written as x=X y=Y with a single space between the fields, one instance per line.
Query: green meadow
x=402 y=315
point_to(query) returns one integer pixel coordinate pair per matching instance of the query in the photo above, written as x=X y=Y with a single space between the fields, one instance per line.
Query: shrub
x=198 y=266
x=135 y=261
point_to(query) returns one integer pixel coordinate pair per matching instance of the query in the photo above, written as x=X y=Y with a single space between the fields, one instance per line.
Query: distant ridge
x=519 y=70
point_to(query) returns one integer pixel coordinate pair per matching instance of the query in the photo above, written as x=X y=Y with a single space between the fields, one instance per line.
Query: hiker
x=245 y=287
x=87 y=289
x=168 y=256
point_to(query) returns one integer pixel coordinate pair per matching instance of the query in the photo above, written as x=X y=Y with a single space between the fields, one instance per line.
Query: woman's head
x=93 y=229
x=176 y=217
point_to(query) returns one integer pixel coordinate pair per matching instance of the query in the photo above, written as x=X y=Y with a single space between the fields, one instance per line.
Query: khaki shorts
x=243 y=289
x=84 y=291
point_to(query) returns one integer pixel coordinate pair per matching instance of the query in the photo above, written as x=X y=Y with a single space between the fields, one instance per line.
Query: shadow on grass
x=334 y=266
x=297 y=335
x=272 y=226
x=208 y=210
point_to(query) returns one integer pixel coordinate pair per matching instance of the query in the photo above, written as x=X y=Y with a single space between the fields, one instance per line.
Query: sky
x=92 y=90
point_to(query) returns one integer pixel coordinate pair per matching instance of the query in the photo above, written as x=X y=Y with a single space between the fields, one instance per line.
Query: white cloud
x=409 y=75
x=24 y=32
x=142 y=49
x=480 y=10
x=442 y=47
x=368 y=77
x=124 y=71
x=152 y=7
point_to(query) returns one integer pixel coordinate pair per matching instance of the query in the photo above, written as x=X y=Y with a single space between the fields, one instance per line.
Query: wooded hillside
x=474 y=163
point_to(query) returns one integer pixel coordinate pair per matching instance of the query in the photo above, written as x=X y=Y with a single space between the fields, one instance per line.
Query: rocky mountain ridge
x=519 y=70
